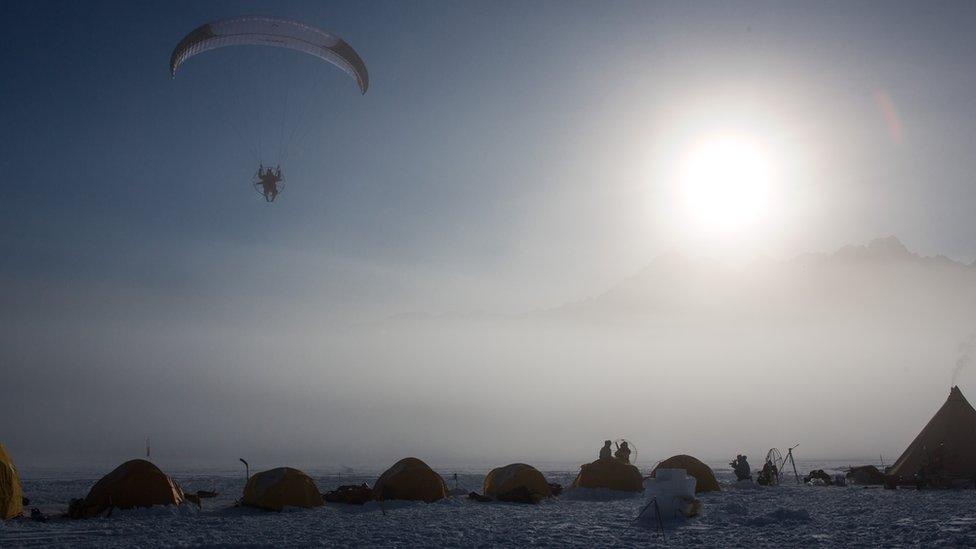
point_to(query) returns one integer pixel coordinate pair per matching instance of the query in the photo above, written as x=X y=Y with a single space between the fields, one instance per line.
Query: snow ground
x=788 y=515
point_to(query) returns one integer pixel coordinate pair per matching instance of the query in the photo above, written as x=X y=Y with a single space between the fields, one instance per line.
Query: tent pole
x=247 y=470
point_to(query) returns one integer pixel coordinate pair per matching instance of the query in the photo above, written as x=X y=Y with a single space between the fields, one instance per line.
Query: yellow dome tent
x=703 y=473
x=11 y=494
x=410 y=479
x=135 y=483
x=516 y=482
x=946 y=447
x=610 y=473
x=281 y=487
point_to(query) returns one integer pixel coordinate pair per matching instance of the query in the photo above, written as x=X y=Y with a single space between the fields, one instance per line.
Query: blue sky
x=508 y=156
x=491 y=142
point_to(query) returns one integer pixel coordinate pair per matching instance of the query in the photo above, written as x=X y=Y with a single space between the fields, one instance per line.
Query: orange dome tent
x=517 y=482
x=11 y=494
x=281 y=487
x=135 y=483
x=702 y=473
x=610 y=473
x=410 y=479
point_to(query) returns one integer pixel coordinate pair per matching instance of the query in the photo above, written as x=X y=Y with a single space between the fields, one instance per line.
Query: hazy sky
x=508 y=156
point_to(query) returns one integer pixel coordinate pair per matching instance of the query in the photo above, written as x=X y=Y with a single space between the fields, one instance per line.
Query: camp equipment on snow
x=865 y=475
x=674 y=492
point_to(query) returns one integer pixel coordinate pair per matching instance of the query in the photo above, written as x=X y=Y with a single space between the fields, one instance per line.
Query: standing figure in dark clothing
x=623 y=452
x=741 y=467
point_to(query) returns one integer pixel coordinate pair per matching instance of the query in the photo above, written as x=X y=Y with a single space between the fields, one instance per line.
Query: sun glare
x=724 y=186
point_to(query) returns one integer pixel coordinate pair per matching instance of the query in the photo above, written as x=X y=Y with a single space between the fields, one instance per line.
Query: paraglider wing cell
x=275 y=32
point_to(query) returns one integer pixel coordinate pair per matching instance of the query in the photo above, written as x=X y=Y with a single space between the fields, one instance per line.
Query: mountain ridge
x=673 y=278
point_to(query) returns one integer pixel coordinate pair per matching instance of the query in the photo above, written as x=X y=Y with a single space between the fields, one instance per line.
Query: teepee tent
x=946 y=446
x=11 y=495
x=282 y=487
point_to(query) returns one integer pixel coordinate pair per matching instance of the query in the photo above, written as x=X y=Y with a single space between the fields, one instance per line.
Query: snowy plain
x=787 y=515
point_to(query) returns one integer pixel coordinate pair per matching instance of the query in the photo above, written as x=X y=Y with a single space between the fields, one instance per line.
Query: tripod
x=789 y=456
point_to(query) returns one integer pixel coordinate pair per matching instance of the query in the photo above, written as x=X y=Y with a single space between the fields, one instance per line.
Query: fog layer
x=846 y=353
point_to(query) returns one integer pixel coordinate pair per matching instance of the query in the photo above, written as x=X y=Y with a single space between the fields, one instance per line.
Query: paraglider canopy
x=261 y=123
x=275 y=32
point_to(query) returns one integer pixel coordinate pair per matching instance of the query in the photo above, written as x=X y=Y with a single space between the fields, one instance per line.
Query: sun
x=724 y=186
